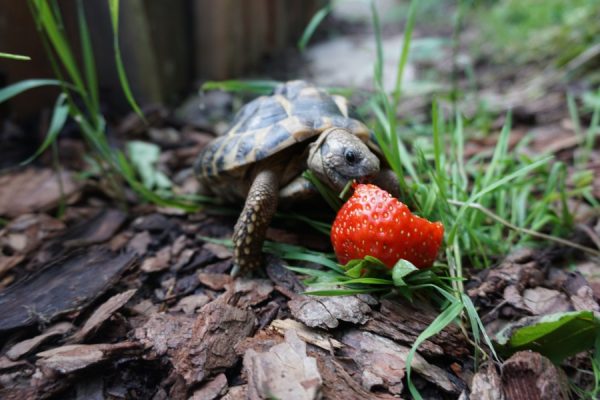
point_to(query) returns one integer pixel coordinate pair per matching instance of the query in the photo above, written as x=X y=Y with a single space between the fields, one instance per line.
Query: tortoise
x=271 y=141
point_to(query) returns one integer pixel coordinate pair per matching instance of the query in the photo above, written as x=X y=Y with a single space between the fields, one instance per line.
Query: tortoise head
x=338 y=156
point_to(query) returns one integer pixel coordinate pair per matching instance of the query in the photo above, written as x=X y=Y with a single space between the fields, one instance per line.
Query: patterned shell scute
x=297 y=111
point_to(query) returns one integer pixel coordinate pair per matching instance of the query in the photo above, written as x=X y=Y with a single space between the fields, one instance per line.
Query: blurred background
x=481 y=57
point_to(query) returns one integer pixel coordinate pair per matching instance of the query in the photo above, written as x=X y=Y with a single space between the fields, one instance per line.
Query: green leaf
x=401 y=269
x=20 y=87
x=14 y=56
x=144 y=157
x=556 y=336
x=59 y=117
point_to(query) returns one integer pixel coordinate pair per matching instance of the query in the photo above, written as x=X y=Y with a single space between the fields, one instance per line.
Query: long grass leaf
x=313 y=25
x=499 y=151
x=23 y=86
x=89 y=64
x=114 y=16
x=437 y=325
x=255 y=86
x=342 y=292
x=59 y=117
x=59 y=41
x=408 y=30
x=14 y=56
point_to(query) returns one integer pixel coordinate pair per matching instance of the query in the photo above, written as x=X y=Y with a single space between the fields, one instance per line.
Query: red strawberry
x=374 y=223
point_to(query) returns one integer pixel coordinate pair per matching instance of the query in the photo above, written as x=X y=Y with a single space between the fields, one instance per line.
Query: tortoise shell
x=295 y=113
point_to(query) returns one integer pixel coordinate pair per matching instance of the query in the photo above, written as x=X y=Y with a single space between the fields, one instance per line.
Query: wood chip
x=27 y=346
x=71 y=358
x=215 y=281
x=487 y=384
x=98 y=229
x=34 y=189
x=326 y=312
x=165 y=333
x=140 y=242
x=159 y=262
x=403 y=322
x=218 y=250
x=236 y=393
x=542 y=301
x=382 y=362
x=249 y=292
x=284 y=372
x=103 y=313
x=528 y=375
x=190 y=304
x=317 y=338
x=338 y=384
x=211 y=349
x=62 y=287
x=212 y=389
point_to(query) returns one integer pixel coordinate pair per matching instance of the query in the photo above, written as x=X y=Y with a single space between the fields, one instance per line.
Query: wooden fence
x=168 y=46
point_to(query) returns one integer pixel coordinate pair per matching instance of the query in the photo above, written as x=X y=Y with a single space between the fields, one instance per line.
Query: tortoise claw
x=235 y=271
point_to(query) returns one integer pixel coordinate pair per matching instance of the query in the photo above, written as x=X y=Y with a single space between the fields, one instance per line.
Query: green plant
x=537 y=30
x=79 y=98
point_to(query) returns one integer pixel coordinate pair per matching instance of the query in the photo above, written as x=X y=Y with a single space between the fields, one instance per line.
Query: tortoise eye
x=350 y=156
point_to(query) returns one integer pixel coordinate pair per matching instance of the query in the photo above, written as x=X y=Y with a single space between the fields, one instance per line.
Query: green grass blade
x=59 y=117
x=313 y=25
x=408 y=30
x=343 y=292
x=521 y=172
x=444 y=319
x=499 y=152
x=476 y=324
x=89 y=63
x=114 y=16
x=256 y=86
x=378 y=78
x=23 y=86
x=14 y=56
x=59 y=41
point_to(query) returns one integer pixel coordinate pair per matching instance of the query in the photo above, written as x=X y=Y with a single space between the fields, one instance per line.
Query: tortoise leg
x=297 y=191
x=251 y=227
x=388 y=181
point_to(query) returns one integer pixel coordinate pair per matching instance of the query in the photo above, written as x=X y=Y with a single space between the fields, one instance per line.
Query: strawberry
x=374 y=223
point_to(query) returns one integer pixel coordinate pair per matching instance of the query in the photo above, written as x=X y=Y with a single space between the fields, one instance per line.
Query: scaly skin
x=251 y=227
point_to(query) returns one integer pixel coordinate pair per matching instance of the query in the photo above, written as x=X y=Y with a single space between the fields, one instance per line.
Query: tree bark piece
x=530 y=376
x=487 y=384
x=27 y=346
x=165 y=333
x=213 y=389
x=62 y=287
x=283 y=372
x=326 y=312
x=34 y=190
x=382 y=362
x=71 y=358
x=403 y=322
x=211 y=349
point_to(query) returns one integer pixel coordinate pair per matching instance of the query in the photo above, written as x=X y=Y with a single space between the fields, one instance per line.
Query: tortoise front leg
x=251 y=227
